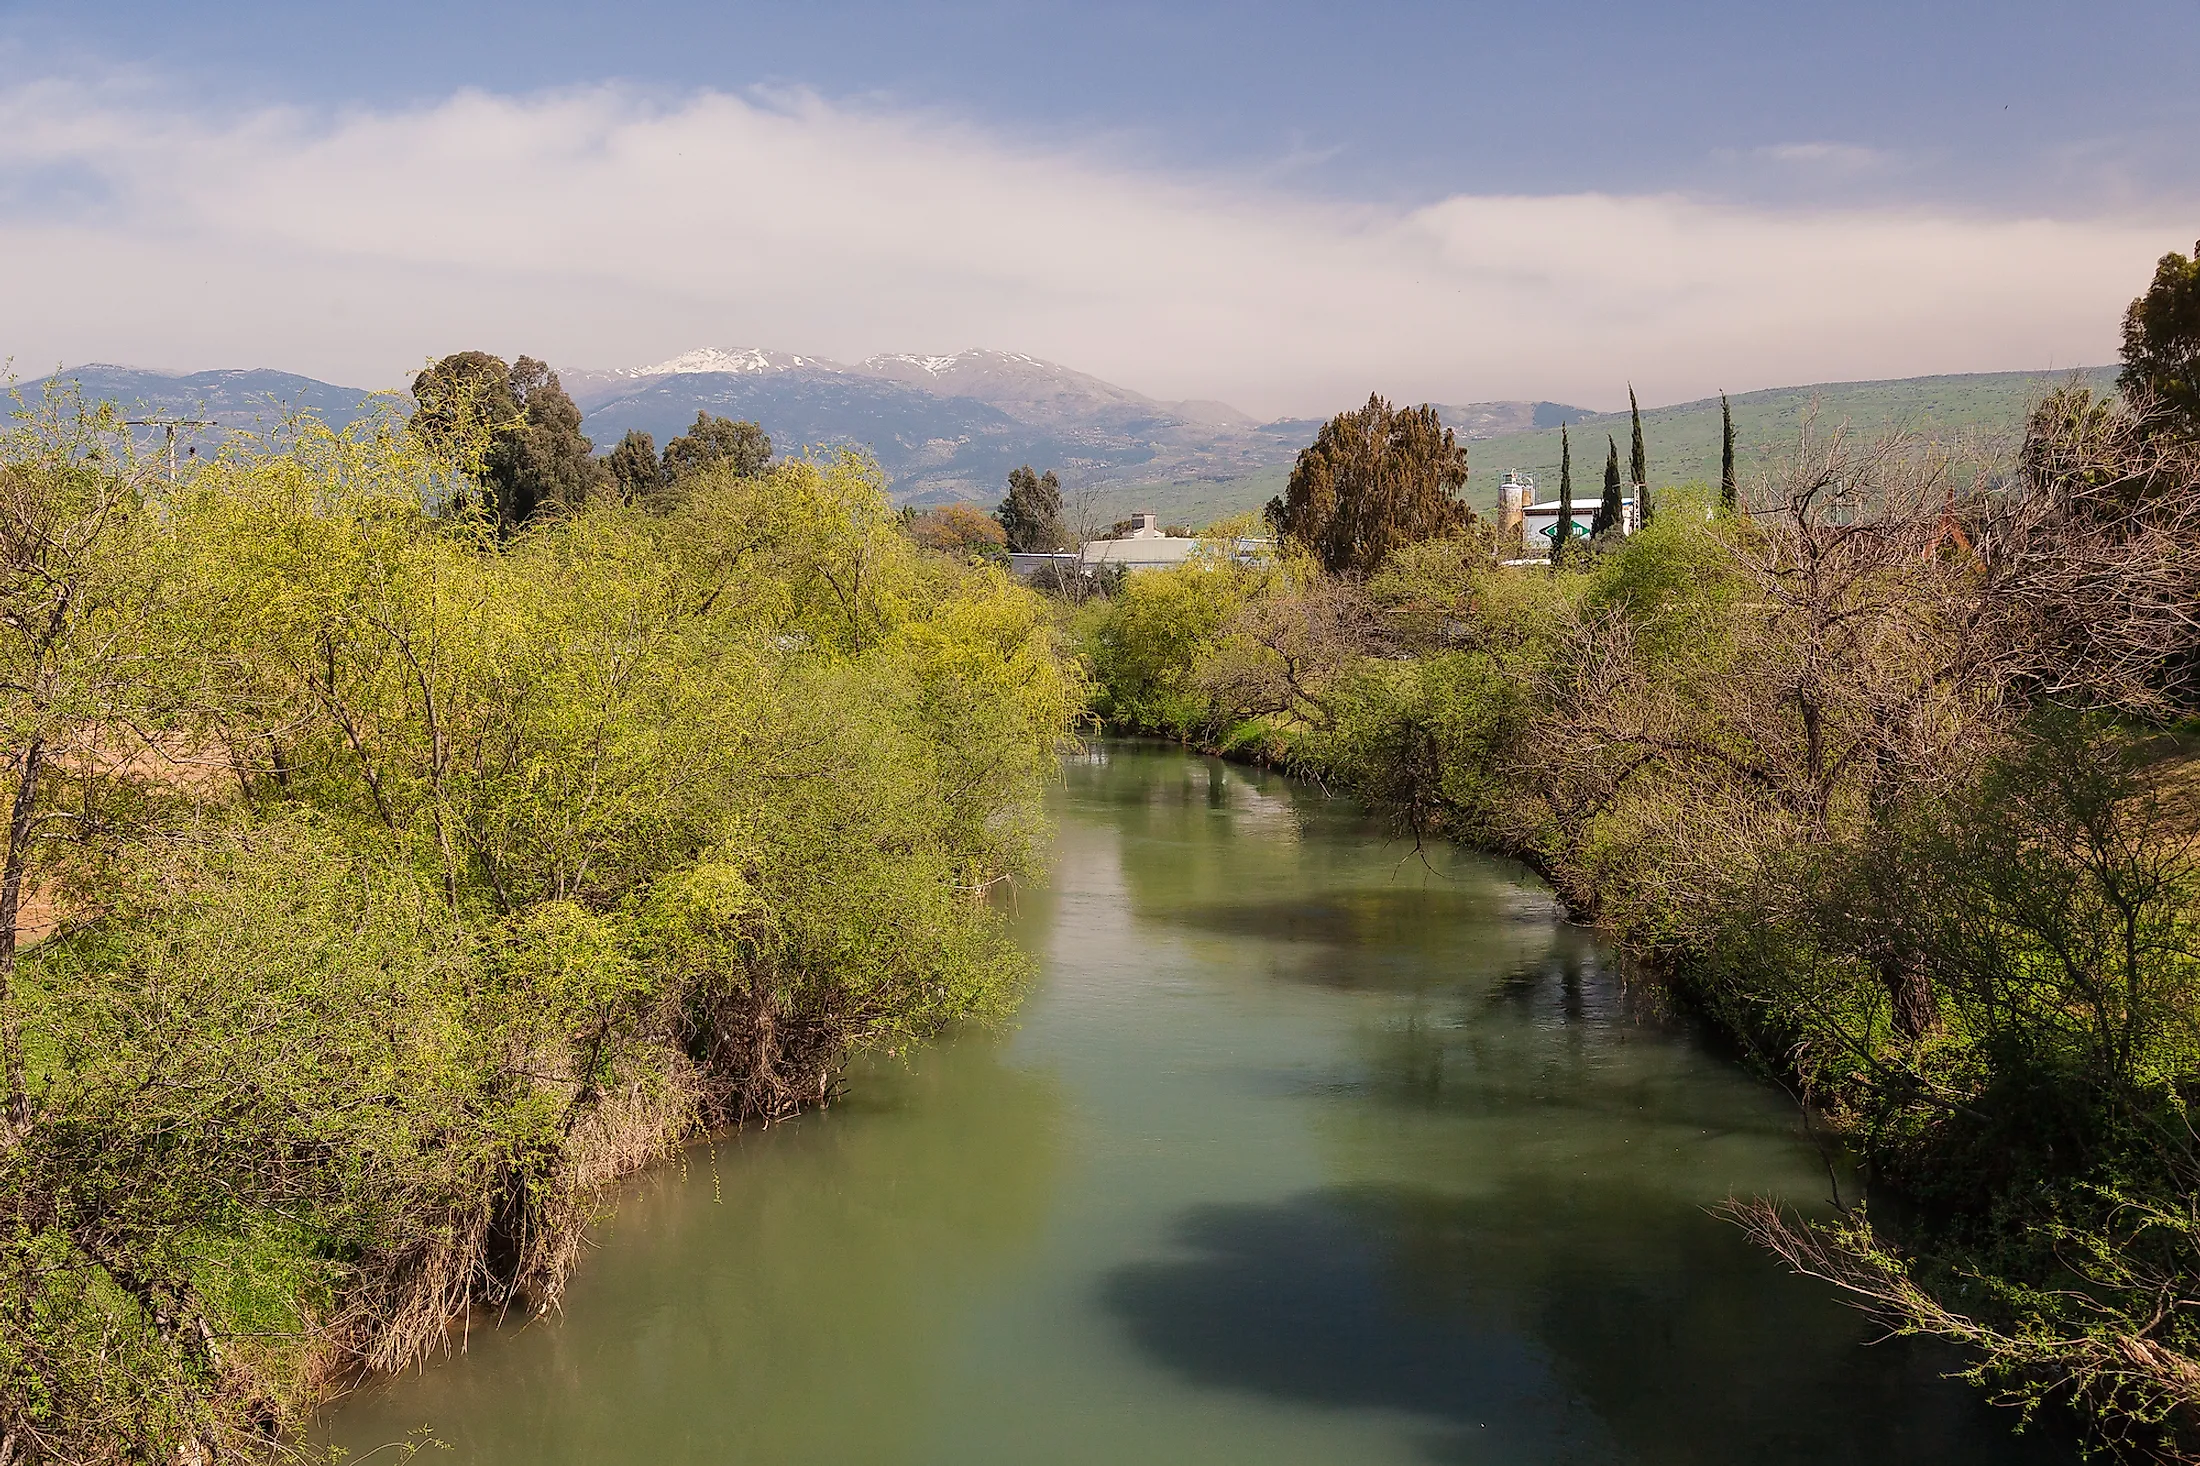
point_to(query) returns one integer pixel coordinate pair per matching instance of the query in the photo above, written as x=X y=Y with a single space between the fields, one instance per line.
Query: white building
x=1537 y=524
x=1144 y=548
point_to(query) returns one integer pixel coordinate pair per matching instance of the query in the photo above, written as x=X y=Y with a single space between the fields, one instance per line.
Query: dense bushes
x=415 y=882
x=1869 y=773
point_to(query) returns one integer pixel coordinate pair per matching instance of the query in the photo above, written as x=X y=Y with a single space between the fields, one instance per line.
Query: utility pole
x=171 y=424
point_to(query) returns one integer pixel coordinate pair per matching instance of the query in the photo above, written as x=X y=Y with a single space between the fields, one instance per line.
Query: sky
x=1283 y=206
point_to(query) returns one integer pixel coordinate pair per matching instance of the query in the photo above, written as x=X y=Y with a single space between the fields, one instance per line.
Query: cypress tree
x=1609 y=512
x=1729 y=493
x=1638 y=463
x=1564 y=529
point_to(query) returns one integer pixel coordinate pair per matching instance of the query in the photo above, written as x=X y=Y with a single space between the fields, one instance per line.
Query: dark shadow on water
x=1408 y=916
x=1563 y=1325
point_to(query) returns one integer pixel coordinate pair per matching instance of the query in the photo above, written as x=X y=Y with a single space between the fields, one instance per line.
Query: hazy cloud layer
x=608 y=227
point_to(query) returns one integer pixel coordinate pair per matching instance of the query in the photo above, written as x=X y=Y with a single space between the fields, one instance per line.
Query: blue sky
x=1881 y=141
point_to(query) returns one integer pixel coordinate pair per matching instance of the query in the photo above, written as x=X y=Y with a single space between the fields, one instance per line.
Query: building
x=1144 y=548
x=1537 y=524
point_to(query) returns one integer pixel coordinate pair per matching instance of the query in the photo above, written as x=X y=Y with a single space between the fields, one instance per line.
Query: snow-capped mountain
x=751 y=362
x=943 y=427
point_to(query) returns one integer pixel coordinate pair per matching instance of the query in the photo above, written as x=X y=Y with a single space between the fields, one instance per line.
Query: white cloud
x=604 y=227
x=1833 y=157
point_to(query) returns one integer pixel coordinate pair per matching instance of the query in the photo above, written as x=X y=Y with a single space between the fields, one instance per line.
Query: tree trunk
x=1916 y=1009
x=11 y=910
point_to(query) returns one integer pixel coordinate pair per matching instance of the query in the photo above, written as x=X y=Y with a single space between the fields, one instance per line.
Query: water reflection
x=1310 y=1148
x=782 y=1295
x=1539 y=1325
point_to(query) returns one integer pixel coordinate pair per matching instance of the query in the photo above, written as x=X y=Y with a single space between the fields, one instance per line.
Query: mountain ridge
x=950 y=426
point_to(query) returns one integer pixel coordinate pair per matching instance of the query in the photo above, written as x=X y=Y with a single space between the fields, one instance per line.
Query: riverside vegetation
x=1864 y=760
x=414 y=865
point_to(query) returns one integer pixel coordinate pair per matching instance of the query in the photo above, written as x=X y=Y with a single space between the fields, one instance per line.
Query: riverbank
x=507 y=860
x=1299 y=1152
x=1805 y=764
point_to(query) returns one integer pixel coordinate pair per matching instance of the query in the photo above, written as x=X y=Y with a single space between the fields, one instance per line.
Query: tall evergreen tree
x=1730 y=496
x=514 y=427
x=634 y=468
x=1638 y=462
x=1609 y=513
x=1563 y=531
x=547 y=463
x=1372 y=481
x=1031 y=515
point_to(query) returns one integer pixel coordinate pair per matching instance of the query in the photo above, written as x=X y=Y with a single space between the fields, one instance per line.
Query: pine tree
x=1373 y=481
x=1609 y=513
x=1638 y=463
x=1563 y=531
x=1729 y=492
x=634 y=466
x=1031 y=516
x=519 y=427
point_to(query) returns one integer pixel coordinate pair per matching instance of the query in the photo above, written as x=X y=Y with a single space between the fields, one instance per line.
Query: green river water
x=1306 y=1148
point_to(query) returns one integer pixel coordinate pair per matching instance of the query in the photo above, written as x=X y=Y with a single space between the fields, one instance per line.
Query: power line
x=171 y=424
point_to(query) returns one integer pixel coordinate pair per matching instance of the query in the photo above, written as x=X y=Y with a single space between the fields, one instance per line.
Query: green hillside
x=1683 y=440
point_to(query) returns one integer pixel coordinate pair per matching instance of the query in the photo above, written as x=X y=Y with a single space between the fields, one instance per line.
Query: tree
x=513 y=429
x=1563 y=531
x=72 y=514
x=1729 y=491
x=958 y=529
x=464 y=402
x=741 y=448
x=1610 y=513
x=546 y=462
x=634 y=467
x=1373 y=481
x=1031 y=515
x=1638 y=463
x=2162 y=339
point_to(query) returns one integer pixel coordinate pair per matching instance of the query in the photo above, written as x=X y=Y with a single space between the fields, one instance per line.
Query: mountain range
x=944 y=428
x=949 y=428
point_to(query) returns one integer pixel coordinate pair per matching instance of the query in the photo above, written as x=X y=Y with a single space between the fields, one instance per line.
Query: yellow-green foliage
x=1775 y=758
x=1145 y=643
x=424 y=880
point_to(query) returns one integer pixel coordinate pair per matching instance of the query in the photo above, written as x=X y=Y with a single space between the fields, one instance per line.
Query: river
x=1307 y=1147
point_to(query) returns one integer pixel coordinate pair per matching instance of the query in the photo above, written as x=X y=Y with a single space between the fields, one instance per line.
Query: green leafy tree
x=742 y=449
x=545 y=463
x=1610 y=513
x=1638 y=463
x=1031 y=515
x=1374 y=481
x=634 y=467
x=464 y=403
x=2162 y=339
x=1563 y=531
x=1729 y=491
x=513 y=429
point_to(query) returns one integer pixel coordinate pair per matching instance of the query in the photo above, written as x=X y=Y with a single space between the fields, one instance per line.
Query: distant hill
x=951 y=427
x=1682 y=440
x=944 y=428
x=247 y=401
